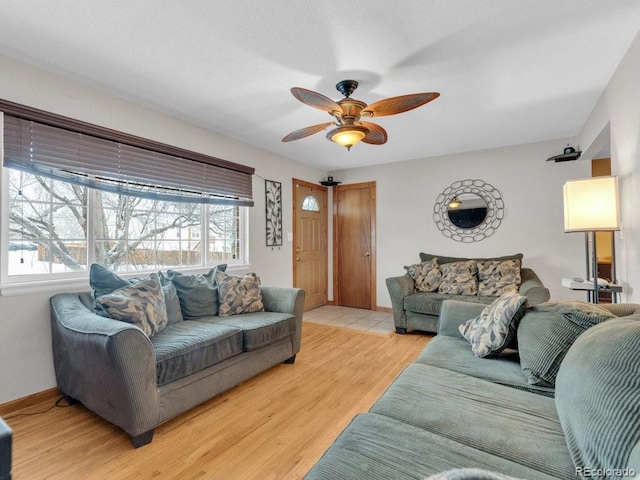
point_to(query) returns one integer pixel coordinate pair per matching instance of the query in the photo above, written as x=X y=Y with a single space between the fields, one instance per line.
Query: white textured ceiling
x=508 y=71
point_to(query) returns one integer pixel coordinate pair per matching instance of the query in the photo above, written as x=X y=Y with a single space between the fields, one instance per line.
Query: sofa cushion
x=376 y=447
x=469 y=474
x=514 y=424
x=496 y=277
x=598 y=396
x=426 y=275
x=547 y=331
x=104 y=281
x=443 y=259
x=261 y=328
x=140 y=303
x=171 y=300
x=198 y=294
x=430 y=303
x=239 y=294
x=188 y=347
x=494 y=329
x=454 y=354
x=459 y=278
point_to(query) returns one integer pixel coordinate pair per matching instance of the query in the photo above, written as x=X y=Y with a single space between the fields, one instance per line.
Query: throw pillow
x=104 y=281
x=198 y=294
x=141 y=303
x=459 y=278
x=239 y=294
x=496 y=277
x=171 y=300
x=426 y=275
x=547 y=331
x=492 y=331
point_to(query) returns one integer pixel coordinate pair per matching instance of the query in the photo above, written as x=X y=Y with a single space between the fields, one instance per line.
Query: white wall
x=25 y=338
x=531 y=189
x=616 y=118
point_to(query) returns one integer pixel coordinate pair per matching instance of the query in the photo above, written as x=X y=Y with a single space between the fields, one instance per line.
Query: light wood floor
x=274 y=426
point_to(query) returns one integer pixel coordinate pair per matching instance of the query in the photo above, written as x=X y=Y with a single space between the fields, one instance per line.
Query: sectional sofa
x=138 y=380
x=451 y=410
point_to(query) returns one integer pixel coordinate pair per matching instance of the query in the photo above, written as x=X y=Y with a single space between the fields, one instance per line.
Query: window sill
x=82 y=284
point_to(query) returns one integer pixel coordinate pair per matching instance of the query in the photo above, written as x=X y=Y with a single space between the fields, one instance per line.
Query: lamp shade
x=591 y=204
x=347 y=135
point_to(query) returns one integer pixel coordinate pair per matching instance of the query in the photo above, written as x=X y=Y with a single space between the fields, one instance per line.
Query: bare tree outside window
x=49 y=229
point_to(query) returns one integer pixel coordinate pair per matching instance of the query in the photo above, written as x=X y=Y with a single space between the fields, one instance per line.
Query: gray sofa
x=452 y=410
x=6 y=439
x=138 y=382
x=420 y=310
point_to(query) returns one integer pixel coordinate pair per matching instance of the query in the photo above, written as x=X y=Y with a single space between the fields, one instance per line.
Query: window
x=310 y=204
x=57 y=227
x=76 y=193
x=47 y=225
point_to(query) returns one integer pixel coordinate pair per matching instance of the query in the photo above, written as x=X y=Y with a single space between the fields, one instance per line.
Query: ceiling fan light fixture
x=347 y=135
x=454 y=202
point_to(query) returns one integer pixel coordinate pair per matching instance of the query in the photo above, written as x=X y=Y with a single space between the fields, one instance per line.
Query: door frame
x=336 y=236
x=313 y=186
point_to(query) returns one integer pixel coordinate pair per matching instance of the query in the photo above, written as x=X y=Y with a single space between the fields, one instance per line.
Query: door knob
x=367 y=254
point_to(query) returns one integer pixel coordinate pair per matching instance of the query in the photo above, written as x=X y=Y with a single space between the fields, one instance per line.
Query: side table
x=592 y=292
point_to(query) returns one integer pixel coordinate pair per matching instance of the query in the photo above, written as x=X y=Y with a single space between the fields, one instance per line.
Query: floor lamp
x=591 y=205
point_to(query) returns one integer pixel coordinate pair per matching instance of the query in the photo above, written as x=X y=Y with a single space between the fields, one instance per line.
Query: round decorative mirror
x=469 y=210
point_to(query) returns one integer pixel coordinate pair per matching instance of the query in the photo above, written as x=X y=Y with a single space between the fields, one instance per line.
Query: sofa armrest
x=454 y=313
x=399 y=287
x=286 y=300
x=106 y=364
x=6 y=439
x=532 y=287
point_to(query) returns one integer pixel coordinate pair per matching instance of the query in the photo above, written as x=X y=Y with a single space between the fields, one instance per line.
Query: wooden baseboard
x=23 y=403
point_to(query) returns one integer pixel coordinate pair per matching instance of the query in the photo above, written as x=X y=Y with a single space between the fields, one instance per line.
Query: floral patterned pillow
x=141 y=303
x=459 y=278
x=496 y=277
x=239 y=294
x=495 y=327
x=426 y=275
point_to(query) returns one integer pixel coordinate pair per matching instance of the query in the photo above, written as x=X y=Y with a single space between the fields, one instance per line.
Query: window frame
x=33 y=283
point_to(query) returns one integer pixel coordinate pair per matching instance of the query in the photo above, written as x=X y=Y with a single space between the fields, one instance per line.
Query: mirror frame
x=484 y=190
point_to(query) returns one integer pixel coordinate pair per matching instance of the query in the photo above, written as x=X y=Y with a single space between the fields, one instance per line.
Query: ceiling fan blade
x=376 y=136
x=394 y=105
x=306 y=131
x=316 y=100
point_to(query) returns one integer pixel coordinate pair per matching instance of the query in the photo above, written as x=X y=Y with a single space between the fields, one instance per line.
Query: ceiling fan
x=347 y=113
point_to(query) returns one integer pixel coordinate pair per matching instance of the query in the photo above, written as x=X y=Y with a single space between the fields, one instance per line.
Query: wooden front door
x=310 y=242
x=354 y=245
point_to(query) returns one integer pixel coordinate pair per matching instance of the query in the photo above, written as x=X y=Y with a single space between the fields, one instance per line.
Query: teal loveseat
x=136 y=382
x=452 y=410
